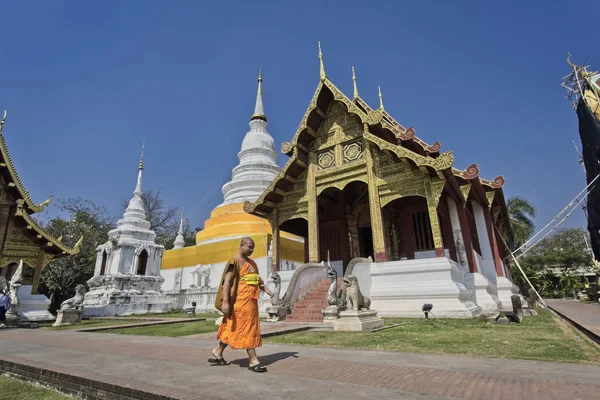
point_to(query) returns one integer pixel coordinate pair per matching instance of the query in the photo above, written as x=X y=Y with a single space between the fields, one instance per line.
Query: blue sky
x=85 y=82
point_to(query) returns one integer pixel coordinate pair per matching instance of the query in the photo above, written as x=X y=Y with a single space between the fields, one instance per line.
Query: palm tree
x=520 y=212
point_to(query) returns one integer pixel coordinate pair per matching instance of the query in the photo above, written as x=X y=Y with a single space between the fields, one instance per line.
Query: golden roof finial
x=78 y=244
x=354 y=81
x=2 y=121
x=141 y=166
x=321 y=65
x=380 y=99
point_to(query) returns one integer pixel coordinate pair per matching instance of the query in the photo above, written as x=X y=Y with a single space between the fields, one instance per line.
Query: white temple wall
x=486 y=262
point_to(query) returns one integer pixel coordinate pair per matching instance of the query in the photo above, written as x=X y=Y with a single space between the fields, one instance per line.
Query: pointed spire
x=321 y=65
x=354 y=81
x=380 y=99
x=179 y=240
x=259 y=110
x=2 y=121
x=138 y=186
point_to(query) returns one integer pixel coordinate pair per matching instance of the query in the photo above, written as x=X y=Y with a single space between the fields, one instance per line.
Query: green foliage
x=84 y=218
x=555 y=265
x=521 y=213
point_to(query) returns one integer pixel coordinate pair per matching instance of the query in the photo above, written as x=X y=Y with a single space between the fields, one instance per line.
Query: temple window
x=142 y=263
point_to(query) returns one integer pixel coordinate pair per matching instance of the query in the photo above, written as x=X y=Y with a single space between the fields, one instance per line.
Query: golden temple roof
x=25 y=205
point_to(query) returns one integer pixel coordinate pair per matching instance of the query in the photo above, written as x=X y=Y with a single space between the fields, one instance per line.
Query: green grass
x=14 y=389
x=171 y=330
x=537 y=338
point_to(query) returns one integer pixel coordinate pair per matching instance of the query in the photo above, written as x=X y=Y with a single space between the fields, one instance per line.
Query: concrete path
x=587 y=315
x=177 y=367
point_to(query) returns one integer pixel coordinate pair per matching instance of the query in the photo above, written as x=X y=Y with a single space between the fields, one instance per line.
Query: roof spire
x=380 y=99
x=138 y=187
x=321 y=65
x=354 y=81
x=259 y=110
x=2 y=121
x=179 y=240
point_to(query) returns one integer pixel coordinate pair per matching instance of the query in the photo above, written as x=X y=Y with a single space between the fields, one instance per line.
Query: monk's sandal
x=258 y=368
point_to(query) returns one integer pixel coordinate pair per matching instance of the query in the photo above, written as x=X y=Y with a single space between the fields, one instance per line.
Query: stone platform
x=358 y=321
x=137 y=367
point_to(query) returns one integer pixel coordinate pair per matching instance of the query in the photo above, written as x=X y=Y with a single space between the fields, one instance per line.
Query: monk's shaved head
x=247 y=241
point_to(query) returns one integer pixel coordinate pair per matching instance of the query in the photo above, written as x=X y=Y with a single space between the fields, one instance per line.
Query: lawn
x=172 y=330
x=14 y=389
x=537 y=338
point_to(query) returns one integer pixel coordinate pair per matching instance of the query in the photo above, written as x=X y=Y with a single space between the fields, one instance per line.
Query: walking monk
x=237 y=299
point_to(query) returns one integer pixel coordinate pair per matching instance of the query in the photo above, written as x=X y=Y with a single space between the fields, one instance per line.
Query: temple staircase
x=308 y=309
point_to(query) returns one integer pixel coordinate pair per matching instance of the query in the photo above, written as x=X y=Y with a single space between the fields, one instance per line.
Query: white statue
x=15 y=284
x=202 y=274
x=75 y=302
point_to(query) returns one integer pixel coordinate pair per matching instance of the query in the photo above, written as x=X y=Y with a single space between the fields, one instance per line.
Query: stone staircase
x=308 y=309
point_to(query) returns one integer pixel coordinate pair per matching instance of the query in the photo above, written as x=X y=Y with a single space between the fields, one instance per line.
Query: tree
x=558 y=262
x=84 y=218
x=164 y=220
x=520 y=212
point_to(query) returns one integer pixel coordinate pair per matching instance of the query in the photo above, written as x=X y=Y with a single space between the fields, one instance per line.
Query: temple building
x=358 y=184
x=22 y=239
x=187 y=270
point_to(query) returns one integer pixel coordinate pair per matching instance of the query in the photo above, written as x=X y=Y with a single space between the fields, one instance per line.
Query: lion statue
x=354 y=298
x=76 y=302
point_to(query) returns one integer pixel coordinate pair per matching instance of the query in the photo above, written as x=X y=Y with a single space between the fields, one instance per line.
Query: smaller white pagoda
x=127 y=275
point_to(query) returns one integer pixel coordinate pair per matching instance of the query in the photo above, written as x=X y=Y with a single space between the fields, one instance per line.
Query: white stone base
x=33 y=307
x=484 y=293
x=506 y=289
x=400 y=288
x=358 y=321
x=124 y=294
x=330 y=314
x=68 y=317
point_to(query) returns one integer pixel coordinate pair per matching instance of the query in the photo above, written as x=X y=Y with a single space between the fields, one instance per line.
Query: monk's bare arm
x=227 y=282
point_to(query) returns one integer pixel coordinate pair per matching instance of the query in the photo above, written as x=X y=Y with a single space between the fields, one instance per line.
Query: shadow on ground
x=266 y=359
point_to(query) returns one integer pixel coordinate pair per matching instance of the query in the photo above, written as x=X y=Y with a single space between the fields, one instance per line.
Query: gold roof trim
x=56 y=242
x=35 y=208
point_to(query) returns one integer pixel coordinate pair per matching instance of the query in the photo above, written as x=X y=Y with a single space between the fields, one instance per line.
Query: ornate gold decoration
x=444 y=161
x=374 y=206
x=380 y=99
x=433 y=197
x=496 y=213
x=354 y=81
x=353 y=151
x=464 y=190
x=321 y=65
x=395 y=242
x=326 y=159
x=490 y=197
x=45 y=203
x=287 y=148
x=313 y=214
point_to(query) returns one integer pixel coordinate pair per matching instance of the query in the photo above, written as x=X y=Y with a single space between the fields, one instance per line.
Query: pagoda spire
x=380 y=99
x=354 y=81
x=321 y=65
x=179 y=240
x=259 y=109
x=138 y=186
x=2 y=121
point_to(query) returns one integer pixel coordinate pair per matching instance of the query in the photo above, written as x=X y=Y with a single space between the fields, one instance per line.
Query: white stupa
x=127 y=275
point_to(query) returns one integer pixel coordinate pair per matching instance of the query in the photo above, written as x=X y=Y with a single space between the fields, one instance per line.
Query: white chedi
x=127 y=275
x=257 y=159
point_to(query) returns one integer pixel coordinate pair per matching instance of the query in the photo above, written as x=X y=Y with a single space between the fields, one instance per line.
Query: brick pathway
x=177 y=367
x=586 y=315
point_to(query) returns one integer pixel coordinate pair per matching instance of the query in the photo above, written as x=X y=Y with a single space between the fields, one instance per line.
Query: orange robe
x=241 y=330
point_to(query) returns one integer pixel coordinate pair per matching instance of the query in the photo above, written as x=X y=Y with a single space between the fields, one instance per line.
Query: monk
x=237 y=299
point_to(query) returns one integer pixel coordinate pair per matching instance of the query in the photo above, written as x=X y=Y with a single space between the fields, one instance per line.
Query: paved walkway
x=177 y=367
x=585 y=314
